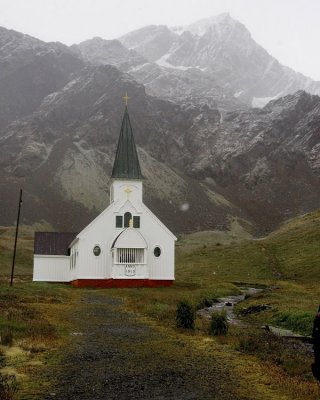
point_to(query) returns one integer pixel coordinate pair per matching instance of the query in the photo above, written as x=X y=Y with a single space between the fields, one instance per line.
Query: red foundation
x=120 y=283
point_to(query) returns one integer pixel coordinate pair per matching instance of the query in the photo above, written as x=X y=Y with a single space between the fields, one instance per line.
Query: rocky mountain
x=213 y=61
x=63 y=153
x=221 y=51
x=210 y=161
x=266 y=160
x=183 y=86
x=98 y=51
x=29 y=70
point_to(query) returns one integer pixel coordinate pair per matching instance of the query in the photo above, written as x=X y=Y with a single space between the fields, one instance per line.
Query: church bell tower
x=126 y=173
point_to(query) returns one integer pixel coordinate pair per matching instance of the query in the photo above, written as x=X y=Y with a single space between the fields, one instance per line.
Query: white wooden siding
x=51 y=268
x=103 y=232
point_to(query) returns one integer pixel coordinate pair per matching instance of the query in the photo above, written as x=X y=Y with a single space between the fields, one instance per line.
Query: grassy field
x=286 y=263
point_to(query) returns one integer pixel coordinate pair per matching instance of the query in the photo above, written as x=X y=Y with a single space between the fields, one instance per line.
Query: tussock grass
x=23 y=264
x=31 y=313
x=286 y=261
x=280 y=261
x=8 y=387
x=219 y=324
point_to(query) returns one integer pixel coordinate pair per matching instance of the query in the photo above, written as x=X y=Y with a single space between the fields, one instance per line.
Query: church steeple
x=126 y=164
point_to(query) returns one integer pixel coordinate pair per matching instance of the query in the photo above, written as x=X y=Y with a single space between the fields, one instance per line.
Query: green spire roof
x=126 y=164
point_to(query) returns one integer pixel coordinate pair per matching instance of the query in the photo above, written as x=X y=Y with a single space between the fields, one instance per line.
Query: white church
x=125 y=246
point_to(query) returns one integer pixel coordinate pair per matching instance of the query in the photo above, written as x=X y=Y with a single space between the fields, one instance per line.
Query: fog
x=288 y=29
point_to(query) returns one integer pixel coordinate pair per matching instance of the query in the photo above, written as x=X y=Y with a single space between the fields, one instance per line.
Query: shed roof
x=126 y=164
x=53 y=243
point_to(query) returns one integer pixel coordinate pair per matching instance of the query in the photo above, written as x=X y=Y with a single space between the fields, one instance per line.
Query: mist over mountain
x=210 y=160
x=29 y=70
x=221 y=51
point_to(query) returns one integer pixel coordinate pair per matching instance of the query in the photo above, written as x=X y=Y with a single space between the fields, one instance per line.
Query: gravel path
x=113 y=355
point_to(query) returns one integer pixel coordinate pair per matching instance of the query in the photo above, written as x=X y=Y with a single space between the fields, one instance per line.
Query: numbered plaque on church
x=130 y=270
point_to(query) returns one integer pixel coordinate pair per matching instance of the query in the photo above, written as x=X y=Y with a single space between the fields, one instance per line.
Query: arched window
x=127 y=218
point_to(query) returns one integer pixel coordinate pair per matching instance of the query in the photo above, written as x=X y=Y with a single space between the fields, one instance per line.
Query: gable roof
x=126 y=164
x=53 y=243
x=156 y=219
x=141 y=207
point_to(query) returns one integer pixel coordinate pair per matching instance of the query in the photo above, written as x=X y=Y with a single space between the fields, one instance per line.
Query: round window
x=96 y=250
x=157 y=251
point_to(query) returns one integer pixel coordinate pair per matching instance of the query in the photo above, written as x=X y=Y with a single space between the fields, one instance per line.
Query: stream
x=227 y=304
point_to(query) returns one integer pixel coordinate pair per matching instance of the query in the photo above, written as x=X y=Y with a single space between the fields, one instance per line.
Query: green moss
x=297 y=321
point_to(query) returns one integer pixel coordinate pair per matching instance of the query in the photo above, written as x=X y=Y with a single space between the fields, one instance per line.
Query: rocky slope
x=69 y=144
x=213 y=61
x=267 y=160
x=205 y=167
x=98 y=51
x=29 y=70
x=222 y=51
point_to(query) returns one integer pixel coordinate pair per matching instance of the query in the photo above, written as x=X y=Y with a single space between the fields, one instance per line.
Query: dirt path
x=113 y=355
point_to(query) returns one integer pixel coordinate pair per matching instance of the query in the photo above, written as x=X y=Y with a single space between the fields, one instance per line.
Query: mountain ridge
x=226 y=49
x=209 y=158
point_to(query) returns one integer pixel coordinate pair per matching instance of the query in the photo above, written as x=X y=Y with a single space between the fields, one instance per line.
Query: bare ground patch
x=113 y=355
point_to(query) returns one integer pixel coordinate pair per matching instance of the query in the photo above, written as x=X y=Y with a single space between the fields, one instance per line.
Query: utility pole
x=16 y=238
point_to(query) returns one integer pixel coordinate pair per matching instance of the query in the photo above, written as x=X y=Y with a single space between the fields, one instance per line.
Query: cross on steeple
x=126 y=98
x=128 y=190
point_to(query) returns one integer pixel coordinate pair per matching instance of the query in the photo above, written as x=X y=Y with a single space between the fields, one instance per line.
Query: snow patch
x=201 y=69
x=218 y=22
x=259 y=102
x=133 y=69
x=162 y=62
x=236 y=95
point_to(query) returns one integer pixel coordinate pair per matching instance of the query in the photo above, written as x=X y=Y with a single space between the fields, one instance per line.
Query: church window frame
x=136 y=221
x=157 y=251
x=126 y=219
x=96 y=250
x=119 y=221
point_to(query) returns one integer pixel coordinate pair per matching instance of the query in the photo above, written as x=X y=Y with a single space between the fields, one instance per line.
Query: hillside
x=288 y=254
x=284 y=264
x=287 y=260
x=205 y=162
x=70 y=142
x=30 y=70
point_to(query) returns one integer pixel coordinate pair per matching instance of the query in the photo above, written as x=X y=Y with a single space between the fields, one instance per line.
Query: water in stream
x=227 y=304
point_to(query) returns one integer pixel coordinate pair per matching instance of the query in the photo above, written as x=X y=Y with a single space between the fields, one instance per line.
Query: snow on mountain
x=152 y=41
x=162 y=62
x=260 y=102
x=222 y=24
x=61 y=109
x=223 y=49
x=212 y=61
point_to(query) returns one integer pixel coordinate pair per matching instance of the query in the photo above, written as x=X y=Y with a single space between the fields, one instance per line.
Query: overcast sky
x=287 y=29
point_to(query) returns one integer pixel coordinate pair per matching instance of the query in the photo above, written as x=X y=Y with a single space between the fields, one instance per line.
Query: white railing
x=129 y=256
